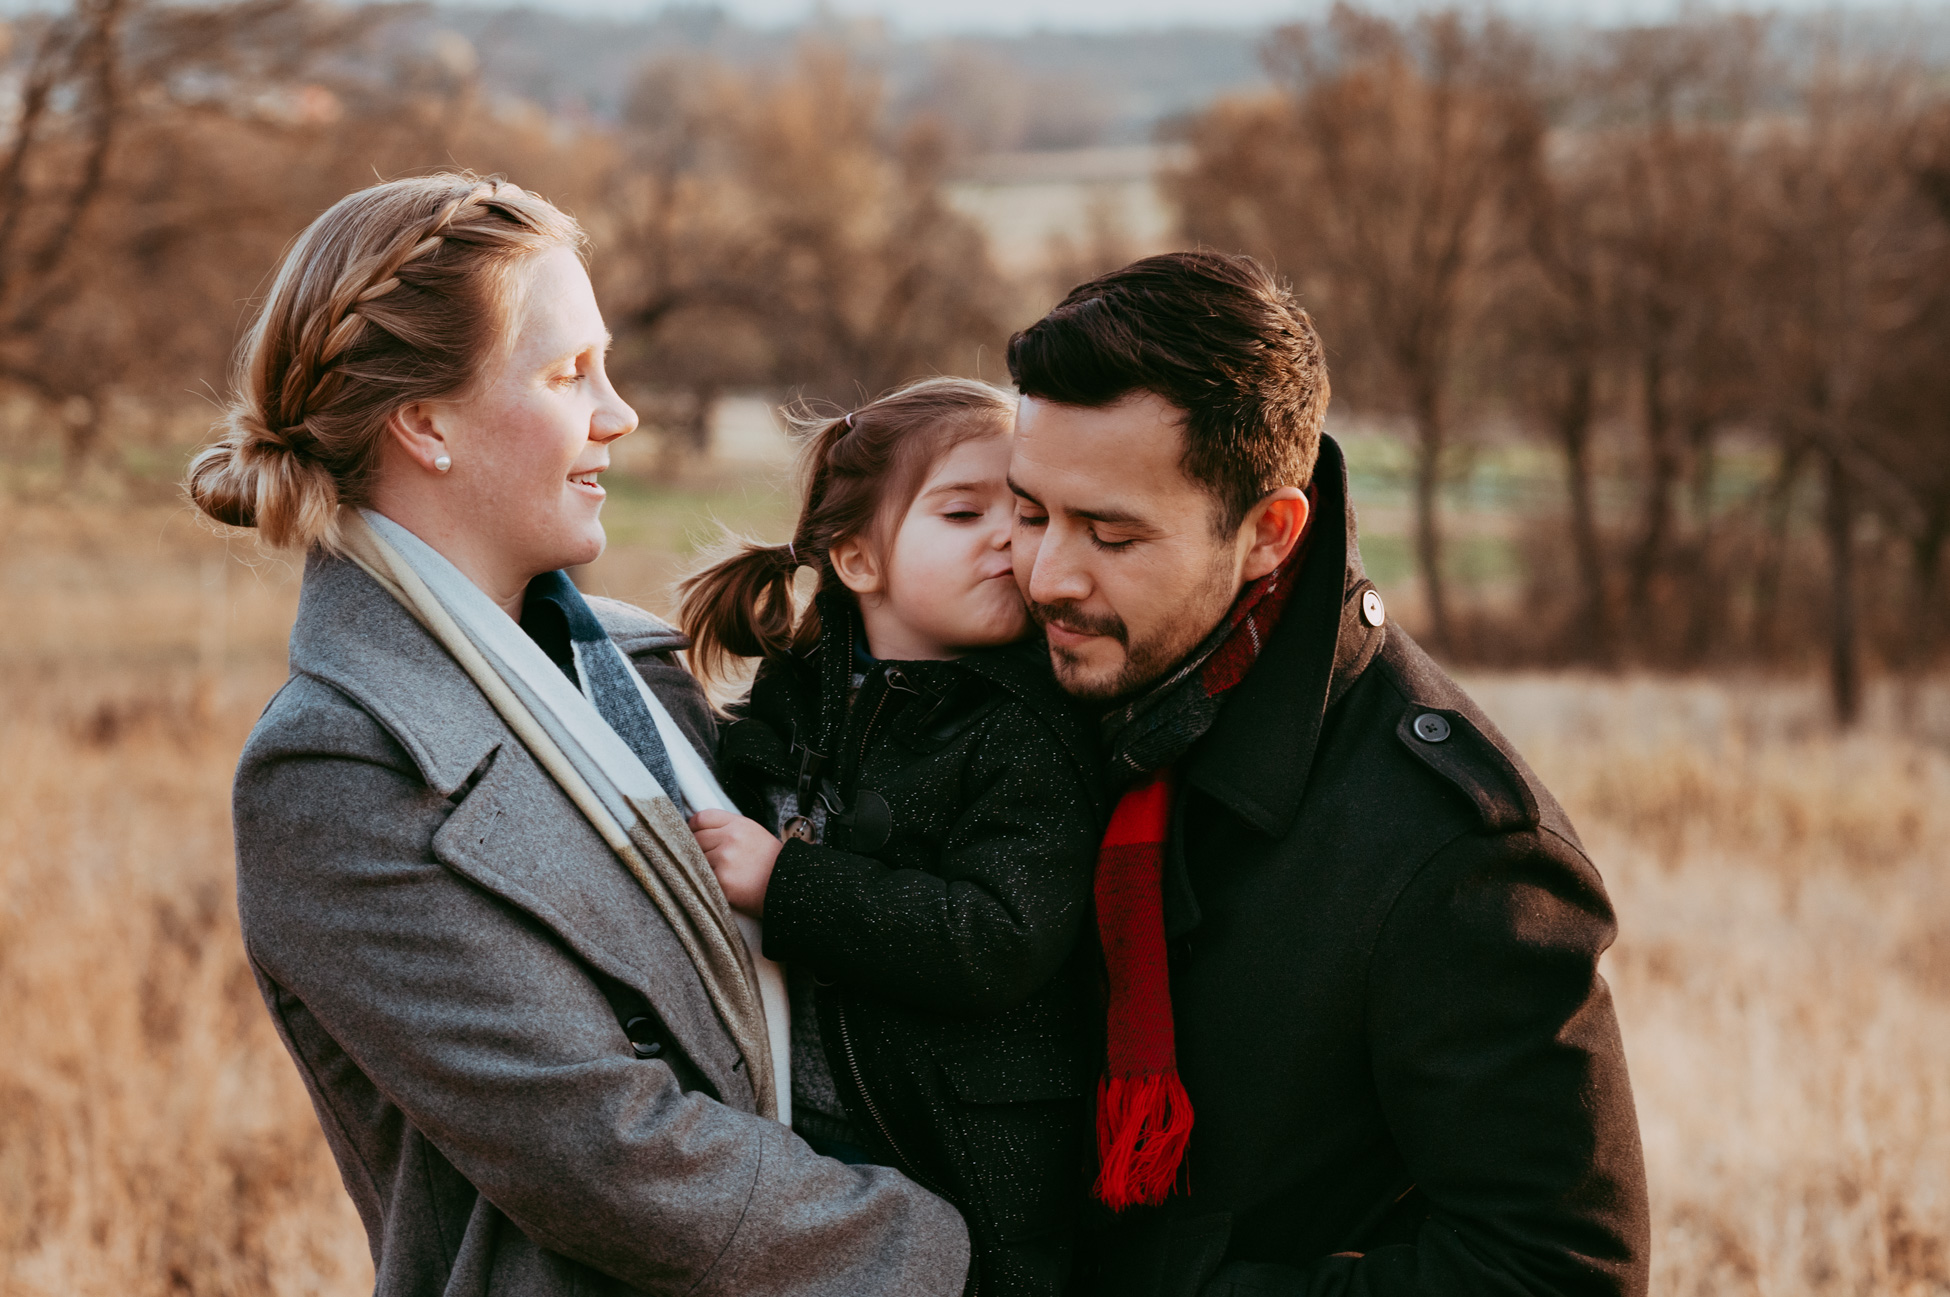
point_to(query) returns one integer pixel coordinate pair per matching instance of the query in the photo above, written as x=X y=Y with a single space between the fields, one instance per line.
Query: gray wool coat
x=451 y=955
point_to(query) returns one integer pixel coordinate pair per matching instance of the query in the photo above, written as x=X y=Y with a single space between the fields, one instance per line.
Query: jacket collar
x=357 y=638
x=1256 y=758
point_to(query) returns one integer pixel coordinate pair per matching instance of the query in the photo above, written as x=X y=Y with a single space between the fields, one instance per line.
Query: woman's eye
x=962 y=515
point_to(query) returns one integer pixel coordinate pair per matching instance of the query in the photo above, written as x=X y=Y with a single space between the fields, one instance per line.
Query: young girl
x=938 y=801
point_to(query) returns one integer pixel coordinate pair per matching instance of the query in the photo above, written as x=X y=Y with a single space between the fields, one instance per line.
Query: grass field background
x=1783 y=977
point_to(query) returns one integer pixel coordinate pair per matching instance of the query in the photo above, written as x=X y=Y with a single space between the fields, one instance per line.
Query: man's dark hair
x=1216 y=336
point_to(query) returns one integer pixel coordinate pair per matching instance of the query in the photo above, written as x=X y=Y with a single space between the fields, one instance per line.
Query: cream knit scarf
x=608 y=782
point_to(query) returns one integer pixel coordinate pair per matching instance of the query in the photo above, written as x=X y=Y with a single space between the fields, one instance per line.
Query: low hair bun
x=254 y=477
x=222 y=487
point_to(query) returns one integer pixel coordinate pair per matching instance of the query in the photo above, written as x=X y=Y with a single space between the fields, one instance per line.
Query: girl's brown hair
x=861 y=472
x=398 y=293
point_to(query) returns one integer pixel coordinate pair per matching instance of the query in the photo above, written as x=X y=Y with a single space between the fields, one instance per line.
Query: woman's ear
x=415 y=429
x=857 y=565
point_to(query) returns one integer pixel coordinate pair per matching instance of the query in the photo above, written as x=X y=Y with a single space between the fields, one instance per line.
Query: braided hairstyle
x=861 y=472
x=399 y=293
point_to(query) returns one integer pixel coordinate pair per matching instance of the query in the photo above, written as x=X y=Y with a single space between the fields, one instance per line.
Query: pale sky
x=930 y=17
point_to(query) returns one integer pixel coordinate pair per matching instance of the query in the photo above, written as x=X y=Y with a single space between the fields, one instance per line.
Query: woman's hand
x=741 y=853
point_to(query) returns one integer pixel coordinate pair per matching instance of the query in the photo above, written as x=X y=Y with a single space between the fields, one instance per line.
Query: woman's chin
x=585 y=545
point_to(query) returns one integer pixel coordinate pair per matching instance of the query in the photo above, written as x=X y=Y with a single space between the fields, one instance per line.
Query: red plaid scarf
x=1144 y=1117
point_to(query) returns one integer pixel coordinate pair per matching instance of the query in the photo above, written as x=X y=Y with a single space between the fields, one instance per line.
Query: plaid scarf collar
x=1144 y=1116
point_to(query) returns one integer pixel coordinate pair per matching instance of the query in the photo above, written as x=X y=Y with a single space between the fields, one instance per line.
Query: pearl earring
x=442 y=463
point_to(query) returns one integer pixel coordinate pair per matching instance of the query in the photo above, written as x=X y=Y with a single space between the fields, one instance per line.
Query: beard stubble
x=1178 y=631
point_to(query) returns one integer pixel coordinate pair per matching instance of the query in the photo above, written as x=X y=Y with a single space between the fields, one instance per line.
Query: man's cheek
x=1023 y=547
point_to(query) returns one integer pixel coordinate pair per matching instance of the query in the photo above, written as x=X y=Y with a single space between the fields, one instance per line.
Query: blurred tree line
x=757 y=229
x=1659 y=252
x=1710 y=274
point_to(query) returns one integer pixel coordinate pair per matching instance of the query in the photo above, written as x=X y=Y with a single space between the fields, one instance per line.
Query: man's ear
x=1271 y=529
x=415 y=429
x=857 y=565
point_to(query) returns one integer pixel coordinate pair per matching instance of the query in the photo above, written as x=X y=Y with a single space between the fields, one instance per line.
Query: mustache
x=1072 y=617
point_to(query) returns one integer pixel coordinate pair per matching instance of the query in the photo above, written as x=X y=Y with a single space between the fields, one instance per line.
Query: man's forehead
x=1133 y=410
x=1131 y=447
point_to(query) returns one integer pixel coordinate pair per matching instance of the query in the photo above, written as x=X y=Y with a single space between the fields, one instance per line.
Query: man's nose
x=1056 y=577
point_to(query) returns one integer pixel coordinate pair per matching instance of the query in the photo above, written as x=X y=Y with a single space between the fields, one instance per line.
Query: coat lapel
x=514 y=833
x=1256 y=758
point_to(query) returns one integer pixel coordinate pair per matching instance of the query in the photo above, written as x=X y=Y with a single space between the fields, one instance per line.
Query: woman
x=533 y=1035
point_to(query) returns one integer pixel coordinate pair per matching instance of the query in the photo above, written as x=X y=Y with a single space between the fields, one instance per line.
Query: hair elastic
x=848 y=421
x=793 y=553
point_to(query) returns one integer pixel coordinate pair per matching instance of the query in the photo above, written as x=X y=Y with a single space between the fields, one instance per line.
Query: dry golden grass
x=1783 y=978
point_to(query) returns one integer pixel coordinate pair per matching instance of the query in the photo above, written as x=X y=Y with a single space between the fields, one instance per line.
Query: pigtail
x=739 y=607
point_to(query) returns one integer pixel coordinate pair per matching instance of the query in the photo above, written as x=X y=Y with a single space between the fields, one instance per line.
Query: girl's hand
x=741 y=853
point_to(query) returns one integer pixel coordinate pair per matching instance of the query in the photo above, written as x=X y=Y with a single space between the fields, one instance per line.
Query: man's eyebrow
x=1113 y=516
x=1116 y=517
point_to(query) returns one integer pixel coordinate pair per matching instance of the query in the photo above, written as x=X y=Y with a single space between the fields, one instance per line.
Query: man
x=1357 y=1038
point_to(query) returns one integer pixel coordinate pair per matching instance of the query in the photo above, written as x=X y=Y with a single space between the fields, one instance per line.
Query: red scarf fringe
x=1143 y=1126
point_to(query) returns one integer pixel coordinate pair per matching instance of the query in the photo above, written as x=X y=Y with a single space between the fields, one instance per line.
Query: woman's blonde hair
x=398 y=293
x=861 y=471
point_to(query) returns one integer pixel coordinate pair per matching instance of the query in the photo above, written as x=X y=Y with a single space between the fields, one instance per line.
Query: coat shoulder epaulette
x=1443 y=730
x=1448 y=742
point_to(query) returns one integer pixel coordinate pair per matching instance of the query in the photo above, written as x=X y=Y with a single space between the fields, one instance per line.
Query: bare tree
x=1378 y=180
x=809 y=238
x=1554 y=324
x=1672 y=195
x=1843 y=230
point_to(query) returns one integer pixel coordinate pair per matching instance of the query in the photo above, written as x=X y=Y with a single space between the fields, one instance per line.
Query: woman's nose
x=613 y=418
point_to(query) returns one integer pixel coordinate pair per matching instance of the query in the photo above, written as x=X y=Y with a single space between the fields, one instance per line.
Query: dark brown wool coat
x=1384 y=974
x=941 y=916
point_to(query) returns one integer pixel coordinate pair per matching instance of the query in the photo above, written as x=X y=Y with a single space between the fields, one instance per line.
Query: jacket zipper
x=873 y=1109
x=896 y=680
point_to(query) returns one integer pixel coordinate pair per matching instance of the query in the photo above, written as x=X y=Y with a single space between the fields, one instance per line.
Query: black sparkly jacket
x=940 y=915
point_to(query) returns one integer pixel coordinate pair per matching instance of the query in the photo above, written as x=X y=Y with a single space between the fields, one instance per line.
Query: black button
x=643 y=1037
x=1431 y=727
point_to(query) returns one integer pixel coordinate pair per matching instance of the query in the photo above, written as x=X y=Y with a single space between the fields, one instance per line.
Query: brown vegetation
x=1783 y=977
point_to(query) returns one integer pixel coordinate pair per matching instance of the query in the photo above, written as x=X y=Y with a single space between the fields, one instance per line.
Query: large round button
x=1431 y=727
x=1373 y=611
x=643 y=1037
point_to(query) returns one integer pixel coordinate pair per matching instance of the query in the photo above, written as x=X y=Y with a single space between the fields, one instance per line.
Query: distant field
x=1783 y=977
